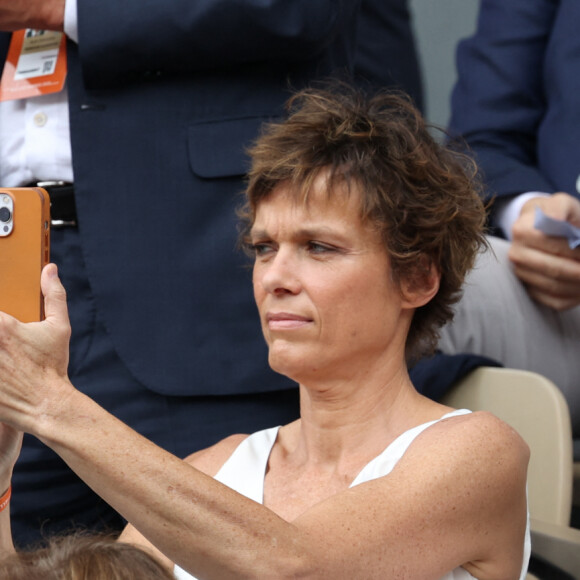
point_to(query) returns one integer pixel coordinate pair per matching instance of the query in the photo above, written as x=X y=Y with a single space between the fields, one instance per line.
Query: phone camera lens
x=5 y=214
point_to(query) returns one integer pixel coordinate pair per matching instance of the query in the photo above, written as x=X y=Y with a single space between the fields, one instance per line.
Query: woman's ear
x=420 y=284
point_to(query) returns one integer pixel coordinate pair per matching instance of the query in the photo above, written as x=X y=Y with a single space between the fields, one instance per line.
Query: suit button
x=578 y=184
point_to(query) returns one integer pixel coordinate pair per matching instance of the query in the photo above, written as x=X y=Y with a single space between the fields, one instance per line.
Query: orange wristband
x=5 y=499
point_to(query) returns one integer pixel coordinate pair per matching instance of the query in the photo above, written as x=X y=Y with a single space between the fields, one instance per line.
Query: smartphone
x=24 y=250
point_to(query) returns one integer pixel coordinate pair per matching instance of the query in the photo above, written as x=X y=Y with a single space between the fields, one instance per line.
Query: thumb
x=563 y=206
x=573 y=211
x=54 y=293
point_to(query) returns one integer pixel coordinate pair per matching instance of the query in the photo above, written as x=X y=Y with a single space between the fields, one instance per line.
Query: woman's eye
x=261 y=249
x=319 y=248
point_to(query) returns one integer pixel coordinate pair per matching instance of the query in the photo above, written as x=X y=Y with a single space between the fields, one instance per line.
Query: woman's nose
x=280 y=274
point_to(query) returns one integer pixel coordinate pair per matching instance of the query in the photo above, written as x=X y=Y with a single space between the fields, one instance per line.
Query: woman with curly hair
x=362 y=228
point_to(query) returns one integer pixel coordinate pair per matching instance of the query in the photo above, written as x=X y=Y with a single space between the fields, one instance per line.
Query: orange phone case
x=24 y=252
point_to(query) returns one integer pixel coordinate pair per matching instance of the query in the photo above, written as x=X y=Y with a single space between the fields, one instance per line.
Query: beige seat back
x=537 y=410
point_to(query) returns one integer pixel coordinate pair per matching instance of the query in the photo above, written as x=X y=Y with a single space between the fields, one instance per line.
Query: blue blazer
x=163 y=103
x=386 y=54
x=517 y=100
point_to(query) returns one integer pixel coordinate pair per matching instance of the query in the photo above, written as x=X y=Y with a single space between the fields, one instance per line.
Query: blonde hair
x=84 y=557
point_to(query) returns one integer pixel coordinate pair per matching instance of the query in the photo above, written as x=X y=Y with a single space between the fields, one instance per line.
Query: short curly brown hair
x=421 y=196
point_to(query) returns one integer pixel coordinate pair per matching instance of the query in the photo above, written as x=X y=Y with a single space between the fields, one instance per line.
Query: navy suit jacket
x=386 y=54
x=517 y=100
x=163 y=102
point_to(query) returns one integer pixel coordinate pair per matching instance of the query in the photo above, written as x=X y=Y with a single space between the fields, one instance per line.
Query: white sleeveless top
x=245 y=469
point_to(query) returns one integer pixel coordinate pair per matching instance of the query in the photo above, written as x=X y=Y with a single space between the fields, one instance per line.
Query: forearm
x=6 y=544
x=197 y=522
x=10 y=442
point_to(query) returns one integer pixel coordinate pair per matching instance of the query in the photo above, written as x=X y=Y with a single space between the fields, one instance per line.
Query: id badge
x=35 y=64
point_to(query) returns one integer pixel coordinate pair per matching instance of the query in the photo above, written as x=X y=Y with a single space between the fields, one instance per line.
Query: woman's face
x=323 y=286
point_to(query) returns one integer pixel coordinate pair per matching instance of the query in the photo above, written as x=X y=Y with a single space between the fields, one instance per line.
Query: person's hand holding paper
x=544 y=252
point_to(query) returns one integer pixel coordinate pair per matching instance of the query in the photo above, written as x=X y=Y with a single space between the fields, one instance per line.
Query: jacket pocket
x=219 y=148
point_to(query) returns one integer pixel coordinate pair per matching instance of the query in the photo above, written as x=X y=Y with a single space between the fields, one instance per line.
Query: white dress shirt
x=34 y=133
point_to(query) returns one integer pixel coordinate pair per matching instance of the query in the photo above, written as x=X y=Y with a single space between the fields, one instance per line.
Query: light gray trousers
x=496 y=318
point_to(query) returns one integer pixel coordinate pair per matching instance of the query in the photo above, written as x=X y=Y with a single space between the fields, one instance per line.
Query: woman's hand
x=34 y=360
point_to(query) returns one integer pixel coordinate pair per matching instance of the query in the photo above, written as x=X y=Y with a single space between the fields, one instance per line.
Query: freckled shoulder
x=479 y=435
x=482 y=423
x=211 y=459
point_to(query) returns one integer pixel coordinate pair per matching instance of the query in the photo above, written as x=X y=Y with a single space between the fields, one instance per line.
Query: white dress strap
x=384 y=463
x=245 y=469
